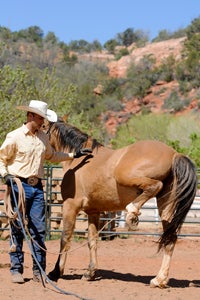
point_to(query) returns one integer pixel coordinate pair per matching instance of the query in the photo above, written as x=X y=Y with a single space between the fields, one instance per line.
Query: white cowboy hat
x=40 y=108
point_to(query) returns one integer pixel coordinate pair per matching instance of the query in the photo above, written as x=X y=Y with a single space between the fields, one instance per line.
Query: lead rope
x=20 y=215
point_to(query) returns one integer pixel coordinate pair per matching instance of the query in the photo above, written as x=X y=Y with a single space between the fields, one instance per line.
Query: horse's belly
x=111 y=198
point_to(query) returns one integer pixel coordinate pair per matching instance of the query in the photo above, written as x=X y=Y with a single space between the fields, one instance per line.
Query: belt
x=33 y=180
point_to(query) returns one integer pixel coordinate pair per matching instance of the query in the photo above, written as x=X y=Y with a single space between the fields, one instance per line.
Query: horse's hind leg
x=69 y=219
x=164 y=208
x=161 y=280
x=93 y=221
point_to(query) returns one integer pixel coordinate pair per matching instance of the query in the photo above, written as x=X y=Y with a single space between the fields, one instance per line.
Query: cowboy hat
x=40 y=108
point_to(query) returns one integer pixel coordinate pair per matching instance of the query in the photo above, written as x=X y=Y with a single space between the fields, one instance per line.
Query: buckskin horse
x=108 y=180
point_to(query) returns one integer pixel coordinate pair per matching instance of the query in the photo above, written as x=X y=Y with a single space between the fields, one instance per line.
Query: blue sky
x=98 y=20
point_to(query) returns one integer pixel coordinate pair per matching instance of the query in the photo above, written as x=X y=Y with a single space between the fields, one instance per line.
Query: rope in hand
x=12 y=214
x=20 y=215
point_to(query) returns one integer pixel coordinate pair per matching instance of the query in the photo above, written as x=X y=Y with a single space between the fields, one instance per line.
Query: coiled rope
x=20 y=215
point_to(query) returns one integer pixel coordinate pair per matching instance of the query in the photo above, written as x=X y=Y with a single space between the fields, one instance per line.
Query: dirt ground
x=126 y=266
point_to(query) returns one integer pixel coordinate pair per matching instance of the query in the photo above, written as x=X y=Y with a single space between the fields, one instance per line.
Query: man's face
x=38 y=121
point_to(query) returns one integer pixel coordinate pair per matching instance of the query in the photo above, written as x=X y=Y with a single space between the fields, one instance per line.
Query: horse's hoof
x=132 y=221
x=88 y=277
x=53 y=276
x=85 y=278
x=154 y=283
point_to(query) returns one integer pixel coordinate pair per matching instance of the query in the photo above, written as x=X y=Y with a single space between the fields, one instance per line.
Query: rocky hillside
x=160 y=51
x=157 y=94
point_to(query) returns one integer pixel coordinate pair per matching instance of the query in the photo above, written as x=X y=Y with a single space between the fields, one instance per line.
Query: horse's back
x=146 y=158
x=151 y=148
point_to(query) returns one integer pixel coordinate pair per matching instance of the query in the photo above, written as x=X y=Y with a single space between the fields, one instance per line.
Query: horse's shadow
x=128 y=277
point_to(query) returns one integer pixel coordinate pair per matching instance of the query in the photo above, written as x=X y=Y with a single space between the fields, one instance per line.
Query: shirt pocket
x=25 y=149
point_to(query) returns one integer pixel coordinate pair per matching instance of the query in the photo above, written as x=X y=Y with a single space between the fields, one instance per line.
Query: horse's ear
x=64 y=118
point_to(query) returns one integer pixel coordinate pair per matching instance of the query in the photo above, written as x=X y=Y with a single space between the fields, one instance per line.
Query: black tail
x=184 y=190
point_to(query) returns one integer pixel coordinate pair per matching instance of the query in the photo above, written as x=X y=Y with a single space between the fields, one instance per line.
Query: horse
x=112 y=179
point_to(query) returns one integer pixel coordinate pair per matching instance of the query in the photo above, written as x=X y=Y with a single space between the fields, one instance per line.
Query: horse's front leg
x=69 y=219
x=93 y=221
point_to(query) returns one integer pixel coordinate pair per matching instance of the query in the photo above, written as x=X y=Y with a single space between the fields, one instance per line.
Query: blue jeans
x=35 y=212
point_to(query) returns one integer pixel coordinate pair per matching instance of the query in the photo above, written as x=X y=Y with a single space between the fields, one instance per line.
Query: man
x=22 y=155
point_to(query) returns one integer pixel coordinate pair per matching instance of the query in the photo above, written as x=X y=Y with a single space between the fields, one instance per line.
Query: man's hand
x=8 y=178
x=82 y=152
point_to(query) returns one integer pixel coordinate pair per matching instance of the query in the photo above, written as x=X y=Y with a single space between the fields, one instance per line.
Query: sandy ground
x=126 y=266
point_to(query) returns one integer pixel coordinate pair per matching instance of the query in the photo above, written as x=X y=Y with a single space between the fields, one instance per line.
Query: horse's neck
x=66 y=165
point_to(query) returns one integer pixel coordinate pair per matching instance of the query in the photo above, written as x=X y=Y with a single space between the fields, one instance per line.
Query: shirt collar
x=26 y=130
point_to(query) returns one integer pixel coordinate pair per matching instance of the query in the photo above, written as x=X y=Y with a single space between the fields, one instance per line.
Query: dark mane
x=72 y=138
